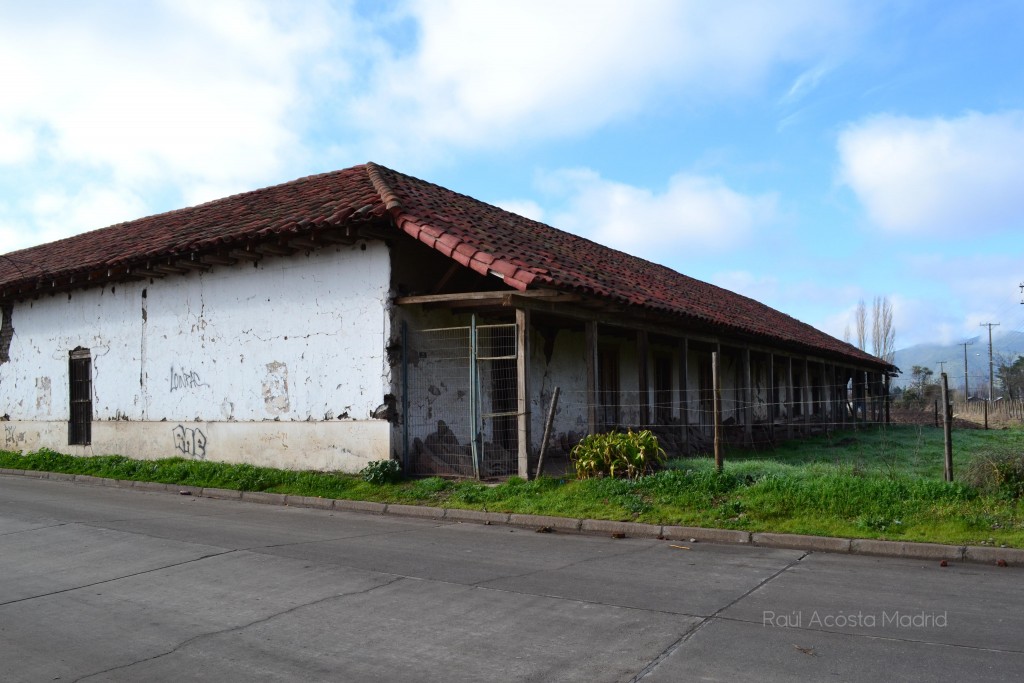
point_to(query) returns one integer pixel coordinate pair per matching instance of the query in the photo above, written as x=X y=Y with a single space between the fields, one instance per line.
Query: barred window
x=80 y=375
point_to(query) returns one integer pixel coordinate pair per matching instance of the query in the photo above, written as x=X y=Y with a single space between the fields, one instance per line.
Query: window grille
x=80 y=375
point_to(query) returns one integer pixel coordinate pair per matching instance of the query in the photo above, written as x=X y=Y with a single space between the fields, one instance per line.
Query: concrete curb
x=621 y=529
x=917 y=551
x=360 y=506
x=827 y=544
x=545 y=522
x=475 y=516
x=685 y=533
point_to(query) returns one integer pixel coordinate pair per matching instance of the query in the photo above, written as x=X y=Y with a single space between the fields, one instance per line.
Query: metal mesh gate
x=460 y=402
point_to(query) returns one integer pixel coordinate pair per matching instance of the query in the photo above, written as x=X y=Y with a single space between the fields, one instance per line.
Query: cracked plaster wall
x=300 y=338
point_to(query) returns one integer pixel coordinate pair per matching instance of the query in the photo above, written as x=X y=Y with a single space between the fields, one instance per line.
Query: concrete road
x=102 y=584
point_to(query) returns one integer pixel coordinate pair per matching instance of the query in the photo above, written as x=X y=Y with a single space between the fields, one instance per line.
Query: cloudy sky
x=808 y=154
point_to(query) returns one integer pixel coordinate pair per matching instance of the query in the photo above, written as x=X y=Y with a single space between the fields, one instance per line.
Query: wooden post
x=947 y=428
x=642 y=379
x=936 y=413
x=590 y=358
x=716 y=407
x=684 y=403
x=790 y=397
x=985 y=404
x=807 y=395
x=748 y=400
x=826 y=389
x=547 y=431
x=523 y=386
x=885 y=389
x=771 y=397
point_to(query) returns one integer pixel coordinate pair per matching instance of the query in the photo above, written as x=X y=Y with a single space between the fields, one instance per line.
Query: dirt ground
x=916 y=416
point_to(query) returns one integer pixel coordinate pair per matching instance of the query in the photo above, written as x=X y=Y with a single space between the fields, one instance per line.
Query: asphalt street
x=106 y=584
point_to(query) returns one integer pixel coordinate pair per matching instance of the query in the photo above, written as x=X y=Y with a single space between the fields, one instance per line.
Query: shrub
x=382 y=472
x=1001 y=473
x=629 y=455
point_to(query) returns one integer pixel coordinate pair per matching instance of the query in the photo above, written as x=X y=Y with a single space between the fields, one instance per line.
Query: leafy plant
x=379 y=472
x=629 y=455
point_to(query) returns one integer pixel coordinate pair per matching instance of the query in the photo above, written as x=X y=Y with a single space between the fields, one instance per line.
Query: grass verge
x=883 y=483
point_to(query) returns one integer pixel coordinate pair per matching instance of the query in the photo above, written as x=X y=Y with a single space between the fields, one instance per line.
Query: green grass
x=881 y=483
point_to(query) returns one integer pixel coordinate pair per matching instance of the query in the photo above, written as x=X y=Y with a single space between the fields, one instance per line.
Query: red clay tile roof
x=531 y=254
x=527 y=254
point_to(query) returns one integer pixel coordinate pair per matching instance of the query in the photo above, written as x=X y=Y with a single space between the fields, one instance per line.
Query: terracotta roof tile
x=525 y=252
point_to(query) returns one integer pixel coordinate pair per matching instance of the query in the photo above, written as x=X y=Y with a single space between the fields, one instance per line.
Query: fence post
x=474 y=398
x=947 y=428
x=523 y=418
x=716 y=408
x=406 y=465
x=985 y=405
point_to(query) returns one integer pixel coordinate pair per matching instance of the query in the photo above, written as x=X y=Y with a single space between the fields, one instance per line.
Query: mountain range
x=1006 y=347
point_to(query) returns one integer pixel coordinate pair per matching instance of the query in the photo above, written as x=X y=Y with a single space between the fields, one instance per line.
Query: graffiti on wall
x=189 y=441
x=12 y=437
x=186 y=379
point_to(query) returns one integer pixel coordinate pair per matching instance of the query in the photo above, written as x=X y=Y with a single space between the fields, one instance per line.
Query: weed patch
x=884 y=483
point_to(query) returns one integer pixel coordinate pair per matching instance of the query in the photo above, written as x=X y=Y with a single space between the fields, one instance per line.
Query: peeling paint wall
x=296 y=339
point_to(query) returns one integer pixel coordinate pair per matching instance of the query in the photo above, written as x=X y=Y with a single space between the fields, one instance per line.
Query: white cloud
x=523 y=207
x=181 y=96
x=938 y=176
x=492 y=74
x=692 y=211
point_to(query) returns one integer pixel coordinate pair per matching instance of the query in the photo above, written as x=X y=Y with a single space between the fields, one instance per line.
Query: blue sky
x=807 y=154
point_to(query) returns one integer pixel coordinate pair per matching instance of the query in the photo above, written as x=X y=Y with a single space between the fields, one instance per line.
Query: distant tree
x=922 y=385
x=883 y=334
x=921 y=375
x=861 y=320
x=1011 y=377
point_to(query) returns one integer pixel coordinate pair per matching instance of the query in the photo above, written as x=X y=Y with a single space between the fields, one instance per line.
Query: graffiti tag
x=190 y=441
x=186 y=379
x=11 y=436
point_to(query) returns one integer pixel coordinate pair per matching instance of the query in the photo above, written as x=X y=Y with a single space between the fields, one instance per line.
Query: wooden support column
x=642 y=353
x=590 y=357
x=772 y=411
x=748 y=400
x=684 y=403
x=523 y=389
x=808 y=395
x=826 y=408
x=790 y=397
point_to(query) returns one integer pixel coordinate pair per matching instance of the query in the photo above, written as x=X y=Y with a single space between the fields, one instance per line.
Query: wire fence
x=462 y=414
x=462 y=401
x=684 y=421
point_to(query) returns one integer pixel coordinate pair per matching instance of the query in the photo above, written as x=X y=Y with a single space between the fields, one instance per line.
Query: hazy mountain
x=1006 y=345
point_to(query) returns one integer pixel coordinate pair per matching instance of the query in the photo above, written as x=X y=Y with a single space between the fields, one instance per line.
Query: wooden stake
x=947 y=428
x=547 y=430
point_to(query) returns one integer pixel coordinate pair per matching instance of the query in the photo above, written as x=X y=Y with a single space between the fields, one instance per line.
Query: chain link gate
x=460 y=392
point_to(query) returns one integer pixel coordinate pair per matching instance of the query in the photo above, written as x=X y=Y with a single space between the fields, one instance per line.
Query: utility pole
x=942 y=365
x=991 y=371
x=967 y=392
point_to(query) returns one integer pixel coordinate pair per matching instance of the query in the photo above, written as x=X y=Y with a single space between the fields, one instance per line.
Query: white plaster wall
x=568 y=371
x=296 y=339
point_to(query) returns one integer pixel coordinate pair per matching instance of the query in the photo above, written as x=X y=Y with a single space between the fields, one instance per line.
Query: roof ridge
x=387 y=195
